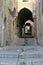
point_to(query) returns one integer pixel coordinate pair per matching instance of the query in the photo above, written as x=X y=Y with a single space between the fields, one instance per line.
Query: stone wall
x=6 y=21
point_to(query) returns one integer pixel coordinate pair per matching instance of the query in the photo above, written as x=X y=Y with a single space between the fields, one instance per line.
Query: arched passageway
x=27 y=30
x=23 y=15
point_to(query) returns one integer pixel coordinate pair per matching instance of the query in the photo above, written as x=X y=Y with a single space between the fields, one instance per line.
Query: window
x=42 y=6
x=25 y=0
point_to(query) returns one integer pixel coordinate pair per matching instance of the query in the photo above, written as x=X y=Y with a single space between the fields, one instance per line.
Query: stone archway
x=23 y=15
x=27 y=30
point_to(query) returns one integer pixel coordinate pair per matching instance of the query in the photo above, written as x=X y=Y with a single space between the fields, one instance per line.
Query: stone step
x=21 y=55
x=30 y=41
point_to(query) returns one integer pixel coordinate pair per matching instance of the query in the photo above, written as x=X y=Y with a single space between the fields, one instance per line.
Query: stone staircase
x=24 y=41
x=21 y=55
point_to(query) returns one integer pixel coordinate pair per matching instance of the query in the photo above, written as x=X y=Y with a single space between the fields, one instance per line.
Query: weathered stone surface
x=21 y=55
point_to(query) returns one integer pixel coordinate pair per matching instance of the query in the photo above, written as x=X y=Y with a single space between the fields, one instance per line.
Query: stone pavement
x=21 y=42
x=21 y=55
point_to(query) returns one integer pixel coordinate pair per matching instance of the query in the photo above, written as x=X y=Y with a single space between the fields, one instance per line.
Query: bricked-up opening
x=23 y=15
